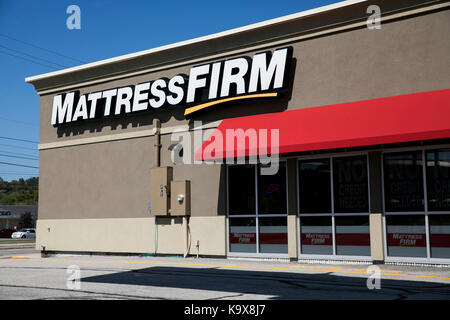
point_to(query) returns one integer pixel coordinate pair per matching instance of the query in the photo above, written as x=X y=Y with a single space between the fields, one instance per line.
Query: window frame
x=332 y=214
x=426 y=213
x=257 y=253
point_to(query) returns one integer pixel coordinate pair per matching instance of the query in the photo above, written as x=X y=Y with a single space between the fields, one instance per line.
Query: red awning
x=405 y=118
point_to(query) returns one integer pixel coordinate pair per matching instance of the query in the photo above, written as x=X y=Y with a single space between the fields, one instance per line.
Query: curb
x=21 y=246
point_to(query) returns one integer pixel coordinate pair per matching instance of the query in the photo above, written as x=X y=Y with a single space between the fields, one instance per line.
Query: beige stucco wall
x=112 y=180
x=96 y=235
x=210 y=232
x=135 y=235
x=376 y=236
x=293 y=241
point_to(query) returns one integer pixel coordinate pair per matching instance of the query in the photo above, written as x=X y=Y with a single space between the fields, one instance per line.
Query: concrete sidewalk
x=17 y=243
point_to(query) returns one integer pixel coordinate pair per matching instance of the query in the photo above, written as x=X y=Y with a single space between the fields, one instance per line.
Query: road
x=26 y=275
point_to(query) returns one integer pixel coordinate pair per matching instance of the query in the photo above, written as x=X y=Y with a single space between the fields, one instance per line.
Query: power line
x=26 y=123
x=18 y=157
x=40 y=48
x=15 y=139
x=17 y=147
x=18 y=165
x=19 y=154
x=19 y=57
x=17 y=183
x=19 y=173
x=18 y=188
x=34 y=57
x=21 y=122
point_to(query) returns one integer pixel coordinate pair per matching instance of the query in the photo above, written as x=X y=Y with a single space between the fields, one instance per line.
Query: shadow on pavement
x=273 y=285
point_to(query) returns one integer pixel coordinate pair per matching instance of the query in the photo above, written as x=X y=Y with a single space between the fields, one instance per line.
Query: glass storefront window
x=273 y=235
x=242 y=235
x=352 y=235
x=440 y=235
x=315 y=186
x=241 y=190
x=403 y=182
x=316 y=235
x=272 y=192
x=406 y=236
x=350 y=184
x=334 y=192
x=348 y=178
x=404 y=192
x=438 y=180
x=257 y=221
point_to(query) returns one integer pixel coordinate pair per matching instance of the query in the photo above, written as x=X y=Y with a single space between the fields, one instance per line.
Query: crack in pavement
x=229 y=296
x=125 y=296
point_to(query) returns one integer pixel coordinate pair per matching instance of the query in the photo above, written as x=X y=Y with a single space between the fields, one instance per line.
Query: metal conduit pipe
x=157 y=163
x=157 y=144
x=187 y=236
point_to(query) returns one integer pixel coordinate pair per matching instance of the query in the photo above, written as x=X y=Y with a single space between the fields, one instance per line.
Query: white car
x=24 y=233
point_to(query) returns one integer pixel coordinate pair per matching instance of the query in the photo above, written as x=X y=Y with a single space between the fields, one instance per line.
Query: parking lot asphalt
x=26 y=275
x=6 y=244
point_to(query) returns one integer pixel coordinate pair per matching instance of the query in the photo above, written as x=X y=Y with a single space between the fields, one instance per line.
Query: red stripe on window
x=264 y=238
x=243 y=238
x=353 y=239
x=317 y=239
x=273 y=238
x=406 y=240
x=440 y=240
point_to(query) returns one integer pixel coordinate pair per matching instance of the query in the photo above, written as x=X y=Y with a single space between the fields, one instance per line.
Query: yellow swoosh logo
x=212 y=103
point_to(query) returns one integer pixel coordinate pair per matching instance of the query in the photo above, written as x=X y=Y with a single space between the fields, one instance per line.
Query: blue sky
x=108 y=29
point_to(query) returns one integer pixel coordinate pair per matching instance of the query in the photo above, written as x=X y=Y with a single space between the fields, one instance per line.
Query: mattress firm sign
x=262 y=76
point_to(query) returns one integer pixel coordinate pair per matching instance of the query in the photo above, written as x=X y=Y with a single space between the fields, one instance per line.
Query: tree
x=26 y=220
x=21 y=192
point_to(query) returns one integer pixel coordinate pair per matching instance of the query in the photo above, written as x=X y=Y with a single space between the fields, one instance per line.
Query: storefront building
x=11 y=215
x=353 y=117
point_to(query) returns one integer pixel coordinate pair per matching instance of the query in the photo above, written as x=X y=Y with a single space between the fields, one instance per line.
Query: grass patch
x=5 y=240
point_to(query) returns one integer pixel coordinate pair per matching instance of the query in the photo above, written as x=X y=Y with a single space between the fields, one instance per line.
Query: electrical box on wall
x=160 y=186
x=180 y=201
